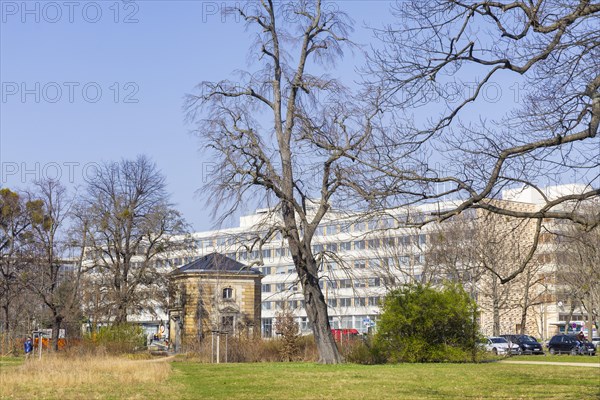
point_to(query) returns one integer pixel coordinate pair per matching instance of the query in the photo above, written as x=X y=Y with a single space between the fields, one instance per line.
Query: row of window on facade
x=174 y=262
x=323 y=230
x=329 y=284
x=272 y=254
x=279 y=305
x=374 y=264
x=336 y=322
x=267 y=326
x=401 y=260
x=373 y=243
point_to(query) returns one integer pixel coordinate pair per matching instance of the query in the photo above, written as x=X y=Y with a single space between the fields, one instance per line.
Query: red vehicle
x=344 y=334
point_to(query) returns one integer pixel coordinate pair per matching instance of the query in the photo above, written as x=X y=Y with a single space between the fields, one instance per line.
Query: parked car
x=596 y=342
x=527 y=343
x=499 y=345
x=570 y=344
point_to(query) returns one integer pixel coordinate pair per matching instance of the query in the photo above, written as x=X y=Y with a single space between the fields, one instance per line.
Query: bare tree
x=402 y=256
x=551 y=47
x=14 y=225
x=578 y=271
x=131 y=227
x=281 y=134
x=535 y=291
x=286 y=326
x=476 y=250
x=48 y=275
x=453 y=251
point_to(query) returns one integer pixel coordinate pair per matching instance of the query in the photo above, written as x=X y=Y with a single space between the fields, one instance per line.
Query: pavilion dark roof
x=215 y=263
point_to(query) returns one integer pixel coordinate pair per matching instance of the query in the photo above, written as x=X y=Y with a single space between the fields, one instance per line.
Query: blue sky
x=99 y=81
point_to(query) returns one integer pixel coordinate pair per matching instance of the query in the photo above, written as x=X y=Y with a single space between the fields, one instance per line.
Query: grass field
x=404 y=381
x=111 y=378
x=559 y=358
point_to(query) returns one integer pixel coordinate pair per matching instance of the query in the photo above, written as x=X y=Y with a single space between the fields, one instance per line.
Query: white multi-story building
x=362 y=257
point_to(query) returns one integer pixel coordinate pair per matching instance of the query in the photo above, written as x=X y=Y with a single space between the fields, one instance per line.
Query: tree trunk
x=315 y=305
x=5 y=345
x=523 y=320
x=495 y=307
x=590 y=321
x=121 y=315
x=5 y=324
x=56 y=324
x=525 y=304
x=570 y=317
x=316 y=310
x=496 y=320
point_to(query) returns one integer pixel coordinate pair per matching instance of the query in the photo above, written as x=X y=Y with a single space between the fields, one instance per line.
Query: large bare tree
x=48 y=276
x=444 y=55
x=281 y=133
x=578 y=274
x=478 y=251
x=129 y=227
x=14 y=227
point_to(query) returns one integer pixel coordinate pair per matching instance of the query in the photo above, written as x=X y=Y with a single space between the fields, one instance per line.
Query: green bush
x=363 y=351
x=118 y=339
x=424 y=324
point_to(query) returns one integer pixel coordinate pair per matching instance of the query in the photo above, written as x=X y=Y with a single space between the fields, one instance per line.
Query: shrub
x=363 y=351
x=286 y=326
x=118 y=339
x=423 y=324
x=250 y=349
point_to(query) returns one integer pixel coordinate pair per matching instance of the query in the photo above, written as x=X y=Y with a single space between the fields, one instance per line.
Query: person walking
x=28 y=347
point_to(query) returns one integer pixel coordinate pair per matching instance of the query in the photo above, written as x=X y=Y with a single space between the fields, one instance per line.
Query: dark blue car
x=570 y=344
x=527 y=343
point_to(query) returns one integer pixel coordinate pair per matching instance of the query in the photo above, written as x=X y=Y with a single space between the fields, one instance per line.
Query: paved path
x=566 y=364
x=157 y=359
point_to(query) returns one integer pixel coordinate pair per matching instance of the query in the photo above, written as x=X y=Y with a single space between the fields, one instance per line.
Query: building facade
x=213 y=293
x=362 y=257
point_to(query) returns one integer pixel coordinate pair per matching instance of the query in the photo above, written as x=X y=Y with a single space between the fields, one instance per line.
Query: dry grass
x=90 y=377
x=251 y=350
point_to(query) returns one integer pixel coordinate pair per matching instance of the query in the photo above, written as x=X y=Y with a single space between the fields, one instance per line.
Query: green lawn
x=404 y=381
x=189 y=380
x=558 y=358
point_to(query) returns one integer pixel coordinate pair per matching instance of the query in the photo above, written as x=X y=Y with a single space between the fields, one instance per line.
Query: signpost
x=40 y=336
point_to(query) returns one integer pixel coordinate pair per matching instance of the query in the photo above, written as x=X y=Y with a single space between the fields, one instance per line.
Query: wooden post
x=40 y=343
x=212 y=349
x=218 y=347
